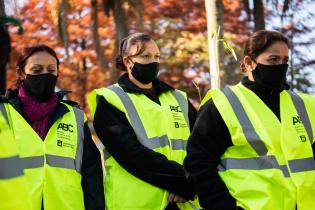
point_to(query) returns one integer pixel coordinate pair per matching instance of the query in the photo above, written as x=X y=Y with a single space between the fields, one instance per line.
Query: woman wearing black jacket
x=63 y=170
x=212 y=142
x=113 y=123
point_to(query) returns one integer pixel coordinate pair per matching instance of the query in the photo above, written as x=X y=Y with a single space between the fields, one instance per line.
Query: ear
x=21 y=74
x=127 y=62
x=249 y=64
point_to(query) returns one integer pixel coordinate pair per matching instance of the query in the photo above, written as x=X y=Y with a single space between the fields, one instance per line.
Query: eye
x=273 y=60
x=36 y=70
x=157 y=57
x=145 y=56
x=52 y=69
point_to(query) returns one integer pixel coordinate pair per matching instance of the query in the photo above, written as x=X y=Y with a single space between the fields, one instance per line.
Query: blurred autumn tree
x=85 y=35
x=296 y=20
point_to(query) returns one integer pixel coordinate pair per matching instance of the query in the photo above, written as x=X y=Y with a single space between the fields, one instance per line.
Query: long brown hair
x=259 y=42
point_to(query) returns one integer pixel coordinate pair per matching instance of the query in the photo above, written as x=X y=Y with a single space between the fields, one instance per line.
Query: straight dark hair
x=27 y=52
x=138 y=39
x=259 y=42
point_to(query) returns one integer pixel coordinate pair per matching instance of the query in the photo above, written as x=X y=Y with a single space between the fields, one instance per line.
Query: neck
x=139 y=84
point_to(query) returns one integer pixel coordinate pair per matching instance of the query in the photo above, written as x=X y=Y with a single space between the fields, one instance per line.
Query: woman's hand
x=172 y=198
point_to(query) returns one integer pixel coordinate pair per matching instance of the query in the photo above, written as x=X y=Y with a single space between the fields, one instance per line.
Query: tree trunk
x=139 y=10
x=247 y=9
x=5 y=49
x=96 y=38
x=2 y=8
x=221 y=53
x=259 y=15
x=63 y=26
x=212 y=17
x=121 y=25
x=120 y=20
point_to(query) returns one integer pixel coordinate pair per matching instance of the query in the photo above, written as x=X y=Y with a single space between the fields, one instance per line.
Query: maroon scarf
x=37 y=113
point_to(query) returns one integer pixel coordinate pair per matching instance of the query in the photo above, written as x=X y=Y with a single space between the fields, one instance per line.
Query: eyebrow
x=277 y=56
x=144 y=53
x=40 y=65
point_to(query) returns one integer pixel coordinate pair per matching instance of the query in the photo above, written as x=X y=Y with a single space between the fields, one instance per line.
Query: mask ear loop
x=130 y=60
x=254 y=60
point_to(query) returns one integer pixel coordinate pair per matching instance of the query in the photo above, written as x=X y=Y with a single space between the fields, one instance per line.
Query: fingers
x=171 y=197
x=176 y=198
x=179 y=199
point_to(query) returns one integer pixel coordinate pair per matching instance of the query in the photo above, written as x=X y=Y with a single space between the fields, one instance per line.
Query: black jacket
x=119 y=138
x=209 y=140
x=92 y=175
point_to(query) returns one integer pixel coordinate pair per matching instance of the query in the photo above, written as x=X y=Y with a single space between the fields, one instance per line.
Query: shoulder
x=71 y=103
x=3 y=99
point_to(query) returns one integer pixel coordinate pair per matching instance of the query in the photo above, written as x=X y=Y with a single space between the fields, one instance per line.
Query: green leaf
x=13 y=21
x=228 y=48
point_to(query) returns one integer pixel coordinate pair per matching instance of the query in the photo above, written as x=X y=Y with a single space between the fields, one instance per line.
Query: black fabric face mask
x=41 y=86
x=271 y=75
x=145 y=73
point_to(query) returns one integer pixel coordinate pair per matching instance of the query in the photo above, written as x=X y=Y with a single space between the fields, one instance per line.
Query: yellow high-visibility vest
x=271 y=163
x=53 y=166
x=162 y=128
x=14 y=194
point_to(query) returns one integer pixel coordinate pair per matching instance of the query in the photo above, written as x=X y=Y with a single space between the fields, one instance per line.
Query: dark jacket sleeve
x=192 y=115
x=209 y=140
x=92 y=174
x=119 y=138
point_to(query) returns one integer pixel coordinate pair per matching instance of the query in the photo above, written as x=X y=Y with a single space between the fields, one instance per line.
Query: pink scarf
x=37 y=113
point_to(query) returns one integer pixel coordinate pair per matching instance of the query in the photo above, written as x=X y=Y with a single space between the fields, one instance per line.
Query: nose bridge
x=154 y=58
x=45 y=69
x=151 y=59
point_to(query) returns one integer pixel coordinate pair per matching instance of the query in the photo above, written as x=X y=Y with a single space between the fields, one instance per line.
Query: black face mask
x=145 y=73
x=271 y=75
x=41 y=86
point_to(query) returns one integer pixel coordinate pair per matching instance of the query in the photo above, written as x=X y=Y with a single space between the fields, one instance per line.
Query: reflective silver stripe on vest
x=10 y=167
x=255 y=163
x=106 y=154
x=183 y=103
x=61 y=162
x=151 y=143
x=51 y=160
x=248 y=129
x=300 y=165
x=4 y=113
x=79 y=116
x=179 y=144
x=32 y=162
x=192 y=205
x=301 y=110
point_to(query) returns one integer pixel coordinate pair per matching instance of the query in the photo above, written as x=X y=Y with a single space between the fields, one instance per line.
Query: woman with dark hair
x=253 y=143
x=144 y=124
x=60 y=160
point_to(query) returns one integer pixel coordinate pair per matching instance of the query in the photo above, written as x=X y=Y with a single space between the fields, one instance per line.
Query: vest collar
x=263 y=89
x=11 y=96
x=159 y=86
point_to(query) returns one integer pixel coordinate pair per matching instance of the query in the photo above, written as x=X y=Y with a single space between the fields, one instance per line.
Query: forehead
x=41 y=58
x=149 y=47
x=278 y=48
